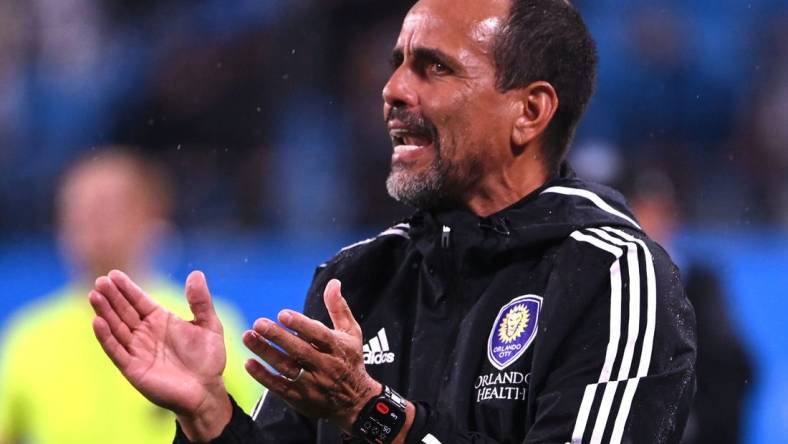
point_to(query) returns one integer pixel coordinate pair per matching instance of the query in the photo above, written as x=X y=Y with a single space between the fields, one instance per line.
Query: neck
x=88 y=276
x=501 y=189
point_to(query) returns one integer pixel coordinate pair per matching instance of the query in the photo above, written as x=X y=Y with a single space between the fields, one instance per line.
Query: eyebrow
x=422 y=54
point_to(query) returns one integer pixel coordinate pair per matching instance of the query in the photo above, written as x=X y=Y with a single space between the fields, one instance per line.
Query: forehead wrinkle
x=416 y=27
x=476 y=22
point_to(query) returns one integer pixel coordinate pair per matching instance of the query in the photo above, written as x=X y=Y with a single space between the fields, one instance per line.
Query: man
x=519 y=304
x=56 y=385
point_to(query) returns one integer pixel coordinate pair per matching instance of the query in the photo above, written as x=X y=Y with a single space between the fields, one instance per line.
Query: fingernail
x=285 y=316
x=262 y=325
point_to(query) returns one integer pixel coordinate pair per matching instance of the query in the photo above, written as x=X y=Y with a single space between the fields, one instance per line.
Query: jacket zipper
x=446 y=237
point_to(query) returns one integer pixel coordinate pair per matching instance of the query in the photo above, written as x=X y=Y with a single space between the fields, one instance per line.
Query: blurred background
x=265 y=115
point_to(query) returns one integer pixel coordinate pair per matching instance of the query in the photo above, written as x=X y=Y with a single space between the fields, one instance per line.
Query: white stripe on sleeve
x=648 y=339
x=594 y=198
x=430 y=439
x=258 y=406
x=634 y=300
x=612 y=346
x=632 y=332
x=614 y=241
x=401 y=230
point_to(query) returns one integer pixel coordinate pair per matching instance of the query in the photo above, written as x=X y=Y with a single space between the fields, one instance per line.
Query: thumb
x=200 y=303
x=338 y=309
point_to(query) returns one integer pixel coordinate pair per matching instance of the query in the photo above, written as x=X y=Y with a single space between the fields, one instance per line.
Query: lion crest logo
x=514 y=324
x=514 y=329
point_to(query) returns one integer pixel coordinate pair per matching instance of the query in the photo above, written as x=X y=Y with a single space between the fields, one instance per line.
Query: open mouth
x=408 y=144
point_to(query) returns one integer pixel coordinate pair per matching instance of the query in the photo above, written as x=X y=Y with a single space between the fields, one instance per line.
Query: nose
x=399 y=90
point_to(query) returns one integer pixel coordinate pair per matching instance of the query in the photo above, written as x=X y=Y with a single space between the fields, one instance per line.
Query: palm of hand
x=174 y=362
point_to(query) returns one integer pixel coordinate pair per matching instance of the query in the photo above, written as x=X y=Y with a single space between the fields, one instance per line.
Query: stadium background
x=267 y=115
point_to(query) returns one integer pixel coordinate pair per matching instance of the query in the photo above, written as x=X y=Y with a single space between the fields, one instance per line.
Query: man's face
x=105 y=218
x=449 y=124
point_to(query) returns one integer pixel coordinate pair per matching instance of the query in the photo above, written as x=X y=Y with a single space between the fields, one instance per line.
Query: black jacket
x=555 y=320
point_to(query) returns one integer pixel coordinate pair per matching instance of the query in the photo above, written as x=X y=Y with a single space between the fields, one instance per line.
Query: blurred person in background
x=56 y=385
x=724 y=365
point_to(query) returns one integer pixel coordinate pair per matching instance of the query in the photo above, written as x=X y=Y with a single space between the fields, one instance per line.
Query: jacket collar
x=546 y=216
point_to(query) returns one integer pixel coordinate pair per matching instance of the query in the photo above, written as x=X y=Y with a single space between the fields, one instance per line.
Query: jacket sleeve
x=276 y=423
x=615 y=361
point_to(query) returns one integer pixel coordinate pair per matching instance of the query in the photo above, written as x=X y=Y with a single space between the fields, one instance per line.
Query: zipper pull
x=502 y=226
x=446 y=237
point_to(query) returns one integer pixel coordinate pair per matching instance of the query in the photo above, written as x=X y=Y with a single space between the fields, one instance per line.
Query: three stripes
x=633 y=269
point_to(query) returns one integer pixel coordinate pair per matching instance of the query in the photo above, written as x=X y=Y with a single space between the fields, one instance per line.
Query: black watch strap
x=382 y=418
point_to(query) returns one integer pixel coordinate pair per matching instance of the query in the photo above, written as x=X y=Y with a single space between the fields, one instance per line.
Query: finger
x=338 y=310
x=281 y=362
x=103 y=309
x=119 y=356
x=200 y=303
x=309 y=329
x=298 y=349
x=133 y=293
x=277 y=384
x=120 y=304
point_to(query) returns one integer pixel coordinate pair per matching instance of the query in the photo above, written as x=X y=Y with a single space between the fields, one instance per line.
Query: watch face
x=382 y=418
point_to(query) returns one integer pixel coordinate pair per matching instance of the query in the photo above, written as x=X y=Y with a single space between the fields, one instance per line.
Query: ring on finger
x=297 y=377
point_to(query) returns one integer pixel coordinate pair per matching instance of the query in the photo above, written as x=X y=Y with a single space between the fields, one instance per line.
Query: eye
x=439 y=68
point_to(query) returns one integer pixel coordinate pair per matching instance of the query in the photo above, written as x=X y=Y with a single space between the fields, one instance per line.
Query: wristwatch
x=382 y=418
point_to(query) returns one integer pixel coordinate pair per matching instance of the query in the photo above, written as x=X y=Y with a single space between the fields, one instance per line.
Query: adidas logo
x=376 y=350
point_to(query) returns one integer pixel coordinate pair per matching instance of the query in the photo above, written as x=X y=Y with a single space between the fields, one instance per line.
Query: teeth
x=405 y=148
x=399 y=133
x=402 y=133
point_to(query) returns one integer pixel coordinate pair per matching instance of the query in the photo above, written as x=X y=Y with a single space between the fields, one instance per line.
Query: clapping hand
x=176 y=364
x=321 y=370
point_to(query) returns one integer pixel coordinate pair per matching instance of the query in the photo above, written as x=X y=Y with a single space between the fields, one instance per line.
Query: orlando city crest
x=513 y=331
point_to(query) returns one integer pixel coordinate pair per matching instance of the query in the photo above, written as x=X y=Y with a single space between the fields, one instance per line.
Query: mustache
x=415 y=122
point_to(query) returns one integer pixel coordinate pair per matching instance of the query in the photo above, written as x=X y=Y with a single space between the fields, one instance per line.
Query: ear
x=537 y=104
